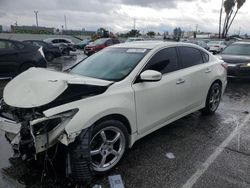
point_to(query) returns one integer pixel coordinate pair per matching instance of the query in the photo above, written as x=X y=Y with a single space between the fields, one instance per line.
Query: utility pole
x=196 y=28
x=65 y=22
x=220 y=18
x=36 y=12
x=134 y=22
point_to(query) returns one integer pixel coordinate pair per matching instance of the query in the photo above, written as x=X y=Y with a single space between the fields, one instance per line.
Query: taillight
x=225 y=65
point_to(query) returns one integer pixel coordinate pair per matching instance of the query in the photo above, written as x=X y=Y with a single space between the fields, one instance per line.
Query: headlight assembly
x=45 y=125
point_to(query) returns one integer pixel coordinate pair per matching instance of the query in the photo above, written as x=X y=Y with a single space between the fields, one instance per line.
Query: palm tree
x=229 y=6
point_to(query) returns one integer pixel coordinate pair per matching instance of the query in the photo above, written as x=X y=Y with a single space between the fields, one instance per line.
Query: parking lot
x=195 y=151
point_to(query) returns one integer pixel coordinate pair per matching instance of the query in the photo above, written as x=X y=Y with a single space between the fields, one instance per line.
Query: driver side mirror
x=150 y=76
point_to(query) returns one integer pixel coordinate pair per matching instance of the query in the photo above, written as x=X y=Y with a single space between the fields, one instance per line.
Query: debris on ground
x=245 y=112
x=115 y=181
x=170 y=155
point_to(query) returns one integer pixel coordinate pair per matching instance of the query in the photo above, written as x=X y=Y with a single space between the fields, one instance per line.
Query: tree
x=133 y=33
x=229 y=6
x=151 y=33
x=177 y=33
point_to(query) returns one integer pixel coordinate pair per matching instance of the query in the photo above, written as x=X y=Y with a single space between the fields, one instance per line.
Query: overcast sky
x=119 y=15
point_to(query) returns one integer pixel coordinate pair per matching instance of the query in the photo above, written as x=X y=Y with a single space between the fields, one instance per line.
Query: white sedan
x=216 y=46
x=109 y=101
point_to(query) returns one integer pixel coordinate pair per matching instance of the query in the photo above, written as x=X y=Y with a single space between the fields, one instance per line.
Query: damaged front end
x=30 y=132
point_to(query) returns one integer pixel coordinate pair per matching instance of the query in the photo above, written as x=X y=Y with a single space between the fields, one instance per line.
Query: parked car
x=237 y=56
x=83 y=43
x=65 y=45
x=109 y=101
x=133 y=39
x=16 y=57
x=199 y=43
x=99 y=44
x=49 y=50
x=216 y=46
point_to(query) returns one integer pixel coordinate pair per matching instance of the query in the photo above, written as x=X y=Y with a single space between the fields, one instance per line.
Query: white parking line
x=195 y=177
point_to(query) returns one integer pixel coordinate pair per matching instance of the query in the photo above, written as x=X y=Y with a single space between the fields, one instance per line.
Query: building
x=32 y=29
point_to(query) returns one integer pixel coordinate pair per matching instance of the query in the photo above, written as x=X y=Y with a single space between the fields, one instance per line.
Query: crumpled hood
x=37 y=87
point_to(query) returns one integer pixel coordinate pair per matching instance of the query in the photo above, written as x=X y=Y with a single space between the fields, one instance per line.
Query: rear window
x=237 y=49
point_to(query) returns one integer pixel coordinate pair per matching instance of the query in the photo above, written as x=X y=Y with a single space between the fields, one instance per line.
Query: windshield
x=237 y=49
x=110 y=64
x=214 y=42
x=100 y=41
x=85 y=41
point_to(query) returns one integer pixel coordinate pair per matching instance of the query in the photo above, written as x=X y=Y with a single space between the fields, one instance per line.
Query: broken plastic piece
x=97 y=186
x=170 y=155
x=115 y=181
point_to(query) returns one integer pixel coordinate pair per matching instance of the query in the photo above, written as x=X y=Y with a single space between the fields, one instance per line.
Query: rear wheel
x=49 y=56
x=213 y=99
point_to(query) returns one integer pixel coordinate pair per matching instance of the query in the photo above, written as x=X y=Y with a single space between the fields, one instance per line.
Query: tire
x=66 y=52
x=213 y=99
x=50 y=57
x=25 y=67
x=83 y=156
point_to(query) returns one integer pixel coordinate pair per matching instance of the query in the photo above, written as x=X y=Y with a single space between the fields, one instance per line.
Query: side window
x=5 y=45
x=115 y=41
x=20 y=46
x=109 y=42
x=190 y=56
x=164 y=61
x=55 y=41
x=2 y=45
x=205 y=57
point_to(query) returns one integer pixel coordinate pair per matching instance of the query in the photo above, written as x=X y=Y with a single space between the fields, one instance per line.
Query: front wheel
x=108 y=144
x=213 y=99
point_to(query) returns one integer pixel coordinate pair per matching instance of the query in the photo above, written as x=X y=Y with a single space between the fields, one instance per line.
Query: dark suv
x=16 y=57
x=49 y=50
x=99 y=44
x=65 y=45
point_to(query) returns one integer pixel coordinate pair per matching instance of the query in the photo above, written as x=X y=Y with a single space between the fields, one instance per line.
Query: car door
x=195 y=77
x=9 y=55
x=158 y=102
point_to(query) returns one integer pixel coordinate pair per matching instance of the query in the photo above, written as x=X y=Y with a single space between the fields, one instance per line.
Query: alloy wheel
x=214 y=99
x=107 y=148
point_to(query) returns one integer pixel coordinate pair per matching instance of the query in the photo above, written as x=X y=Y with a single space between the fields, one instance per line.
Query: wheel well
x=217 y=81
x=117 y=117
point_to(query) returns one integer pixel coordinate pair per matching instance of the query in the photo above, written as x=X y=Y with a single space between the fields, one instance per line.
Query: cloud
x=118 y=15
x=156 y=3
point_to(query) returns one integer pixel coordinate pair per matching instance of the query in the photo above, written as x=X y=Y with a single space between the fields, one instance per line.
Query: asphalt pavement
x=196 y=151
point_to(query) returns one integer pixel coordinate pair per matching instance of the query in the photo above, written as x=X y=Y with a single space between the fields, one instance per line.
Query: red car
x=99 y=44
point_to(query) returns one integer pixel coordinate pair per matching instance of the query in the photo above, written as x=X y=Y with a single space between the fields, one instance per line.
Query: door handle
x=180 y=81
x=208 y=70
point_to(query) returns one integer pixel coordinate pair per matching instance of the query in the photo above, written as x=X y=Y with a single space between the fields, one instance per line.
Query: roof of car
x=151 y=44
x=242 y=42
x=49 y=39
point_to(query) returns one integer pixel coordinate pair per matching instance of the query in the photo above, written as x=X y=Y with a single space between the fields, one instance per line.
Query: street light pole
x=36 y=12
x=65 y=22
